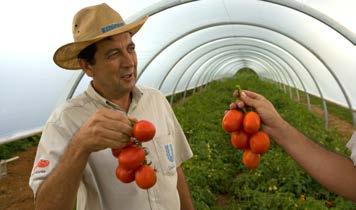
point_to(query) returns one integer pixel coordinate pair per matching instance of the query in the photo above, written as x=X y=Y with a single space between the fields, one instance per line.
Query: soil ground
x=15 y=193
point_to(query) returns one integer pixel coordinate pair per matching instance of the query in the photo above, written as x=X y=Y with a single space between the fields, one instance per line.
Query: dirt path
x=15 y=194
x=343 y=127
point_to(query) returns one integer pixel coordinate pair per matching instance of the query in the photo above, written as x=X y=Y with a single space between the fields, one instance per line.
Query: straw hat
x=90 y=25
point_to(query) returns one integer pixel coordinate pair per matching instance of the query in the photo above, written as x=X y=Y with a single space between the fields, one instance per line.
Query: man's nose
x=128 y=60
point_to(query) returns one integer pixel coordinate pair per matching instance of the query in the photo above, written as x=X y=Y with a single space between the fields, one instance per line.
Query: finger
x=118 y=137
x=133 y=120
x=110 y=134
x=233 y=106
x=236 y=93
x=117 y=126
x=249 y=100
x=114 y=114
x=240 y=104
x=251 y=94
x=116 y=143
x=125 y=128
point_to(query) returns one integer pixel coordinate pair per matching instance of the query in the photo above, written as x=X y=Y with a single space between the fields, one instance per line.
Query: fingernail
x=243 y=94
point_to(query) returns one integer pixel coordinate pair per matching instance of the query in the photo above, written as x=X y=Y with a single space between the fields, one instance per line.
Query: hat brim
x=67 y=55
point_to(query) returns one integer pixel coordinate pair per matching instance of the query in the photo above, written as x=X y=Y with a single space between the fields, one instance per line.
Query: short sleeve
x=53 y=142
x=352 y=146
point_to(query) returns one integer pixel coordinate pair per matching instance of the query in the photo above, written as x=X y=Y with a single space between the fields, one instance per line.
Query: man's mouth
x=127 y=76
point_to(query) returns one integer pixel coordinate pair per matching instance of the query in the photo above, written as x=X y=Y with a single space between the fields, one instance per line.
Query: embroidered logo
x=42 y=163
x=169 y=152
x=112 y=26
x=40 y=166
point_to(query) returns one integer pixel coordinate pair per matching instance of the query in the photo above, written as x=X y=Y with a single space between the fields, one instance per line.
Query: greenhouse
x=298 y=54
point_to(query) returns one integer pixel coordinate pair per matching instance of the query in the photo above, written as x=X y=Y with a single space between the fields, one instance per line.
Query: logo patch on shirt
x=169 y=152
x=40 y=166
x=42 y=163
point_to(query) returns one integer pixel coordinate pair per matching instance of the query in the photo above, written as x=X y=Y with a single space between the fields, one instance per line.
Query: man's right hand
x=106 y=128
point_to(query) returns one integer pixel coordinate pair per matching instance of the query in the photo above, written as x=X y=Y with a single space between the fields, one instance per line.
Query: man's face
x=115 y=69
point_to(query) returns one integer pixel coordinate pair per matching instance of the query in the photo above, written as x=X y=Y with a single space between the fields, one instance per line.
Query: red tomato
x=115 y=152
x=144 y=130
x=251 y=122
x=131 y=157
x=125 y=175
x=250 y=159
x=145 y=177
x=239 y=140
x=259 y=142
x=232 y=120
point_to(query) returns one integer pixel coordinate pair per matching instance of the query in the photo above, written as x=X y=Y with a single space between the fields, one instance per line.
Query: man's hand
x=106 y=128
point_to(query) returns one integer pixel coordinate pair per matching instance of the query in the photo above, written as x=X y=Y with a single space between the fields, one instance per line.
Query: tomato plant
x=259 y=142
x=131 y=157
x=145 y=177
x=144 y=130
x=125 y=175
x=232 y=120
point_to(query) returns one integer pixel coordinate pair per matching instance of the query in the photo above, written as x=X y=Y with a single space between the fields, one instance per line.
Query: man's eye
x=132 y=48
x=113 y=54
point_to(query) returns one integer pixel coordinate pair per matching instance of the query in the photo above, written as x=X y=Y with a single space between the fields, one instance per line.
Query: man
x=335 y=172
x=74 y=160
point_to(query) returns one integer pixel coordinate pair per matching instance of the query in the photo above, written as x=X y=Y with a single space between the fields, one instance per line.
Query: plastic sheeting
x=184 y=44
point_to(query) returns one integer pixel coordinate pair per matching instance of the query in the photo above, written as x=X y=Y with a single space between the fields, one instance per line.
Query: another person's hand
x=106 y=128
x=272 y=121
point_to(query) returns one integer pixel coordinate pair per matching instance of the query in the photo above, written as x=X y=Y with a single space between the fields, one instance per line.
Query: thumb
x=247 y=99
x=132 y=120
x=252 y=94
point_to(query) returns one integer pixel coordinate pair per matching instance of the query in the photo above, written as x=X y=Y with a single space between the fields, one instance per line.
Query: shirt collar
x=136 y=96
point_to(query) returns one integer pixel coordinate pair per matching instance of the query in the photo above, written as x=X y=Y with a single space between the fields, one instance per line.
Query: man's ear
x=87 y=68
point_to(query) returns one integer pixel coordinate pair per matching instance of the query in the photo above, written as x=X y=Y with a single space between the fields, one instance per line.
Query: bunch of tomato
x=245 y=132
x=132 y=161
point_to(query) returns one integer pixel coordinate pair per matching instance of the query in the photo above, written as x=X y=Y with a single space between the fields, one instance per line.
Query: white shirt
x=99 y=187
x=352 y=146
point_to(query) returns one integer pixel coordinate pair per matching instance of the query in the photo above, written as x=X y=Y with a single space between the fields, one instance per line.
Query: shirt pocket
x=166 y=154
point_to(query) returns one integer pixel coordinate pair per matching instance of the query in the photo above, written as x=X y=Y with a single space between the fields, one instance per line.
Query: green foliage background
x=215 y=173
